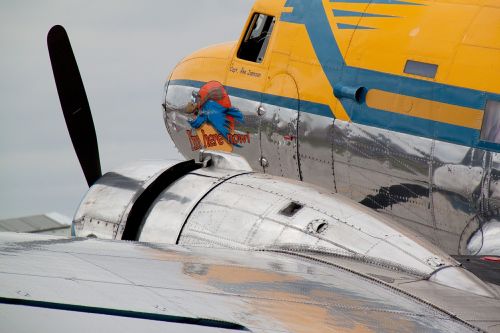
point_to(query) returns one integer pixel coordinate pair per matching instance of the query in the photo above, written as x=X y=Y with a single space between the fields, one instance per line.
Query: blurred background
x=125 y=51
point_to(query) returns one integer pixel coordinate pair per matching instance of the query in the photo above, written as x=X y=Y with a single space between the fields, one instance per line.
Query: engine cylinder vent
x=317 y=226
x=291 y=209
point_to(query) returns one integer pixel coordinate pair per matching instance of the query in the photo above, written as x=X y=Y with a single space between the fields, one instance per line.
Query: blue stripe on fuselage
x=285 y=102
x=350 y=13
x=345 y=26
x=412 y=125
x=364 y=115
x=312 y=15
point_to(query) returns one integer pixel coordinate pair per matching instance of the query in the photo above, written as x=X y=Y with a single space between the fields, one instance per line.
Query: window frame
x=250 y=25
x=421 y=69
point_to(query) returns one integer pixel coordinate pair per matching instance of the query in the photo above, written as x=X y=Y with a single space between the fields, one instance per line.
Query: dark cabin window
x=490 y=130
x=421 y=69
x=254 y=44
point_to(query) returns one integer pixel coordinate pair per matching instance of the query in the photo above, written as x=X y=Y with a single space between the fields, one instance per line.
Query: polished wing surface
x=52 y=284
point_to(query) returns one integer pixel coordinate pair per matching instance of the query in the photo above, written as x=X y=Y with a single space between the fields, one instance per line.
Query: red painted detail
x=215 y=91
x=492 y=259
x=289 y=137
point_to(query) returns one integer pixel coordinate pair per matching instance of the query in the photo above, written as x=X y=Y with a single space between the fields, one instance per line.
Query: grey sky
x=125 y=50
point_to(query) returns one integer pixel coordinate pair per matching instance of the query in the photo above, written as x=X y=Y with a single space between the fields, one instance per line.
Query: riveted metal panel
x=250 y=126
x=279 y=140
x=457 y=177
x=278 y=128
x=106 y=206
x=168 y=214
x=316 y=135
x=481 y=233
x=176 y=119
x=494 y=185
x=240 y=210
x=386 y=171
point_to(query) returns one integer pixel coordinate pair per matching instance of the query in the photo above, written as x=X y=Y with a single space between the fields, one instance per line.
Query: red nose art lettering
x=194 y=140
x=212 y=140
x=238 y=139
x=213 y=124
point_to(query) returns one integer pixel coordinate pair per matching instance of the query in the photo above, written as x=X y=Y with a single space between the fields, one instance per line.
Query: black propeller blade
x=74 y=103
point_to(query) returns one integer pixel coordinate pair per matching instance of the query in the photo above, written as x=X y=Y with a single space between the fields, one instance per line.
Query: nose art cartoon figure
x=211 y=105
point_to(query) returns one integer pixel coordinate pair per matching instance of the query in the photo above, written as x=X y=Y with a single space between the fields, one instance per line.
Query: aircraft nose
x=180 y=107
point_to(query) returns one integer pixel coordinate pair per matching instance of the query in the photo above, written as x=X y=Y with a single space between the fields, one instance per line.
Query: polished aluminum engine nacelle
x=220 y=202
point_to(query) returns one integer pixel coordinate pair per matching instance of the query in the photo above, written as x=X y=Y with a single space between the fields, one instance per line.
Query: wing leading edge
x=235 y=289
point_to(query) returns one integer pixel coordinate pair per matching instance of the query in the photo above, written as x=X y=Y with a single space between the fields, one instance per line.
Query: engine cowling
x=221 y=202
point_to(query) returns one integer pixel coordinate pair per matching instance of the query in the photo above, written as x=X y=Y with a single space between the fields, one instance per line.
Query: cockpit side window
x=256 y=39
x=490 y=131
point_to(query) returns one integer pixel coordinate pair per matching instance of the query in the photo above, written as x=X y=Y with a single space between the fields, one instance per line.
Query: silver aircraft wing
x=54 y=284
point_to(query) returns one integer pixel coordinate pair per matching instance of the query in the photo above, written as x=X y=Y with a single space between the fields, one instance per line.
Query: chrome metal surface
x=14 y=319
x=486 y=240
x=278 y=130
x=278 y=141
x=250 y=211
x=106 y=206
x=462 y=279
x=251 y=151
x=264 y=162
x=456 y=182
x=226 y=161
x=465 y=305
x=220 y=206
x=261 y=291
x=223 y=207
x=443 y=191
x=436 y=188
x=433 y=187
x=261 y=111
x=168 y=214
x=385 y=171
x=176 y=120
x=316 y=134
